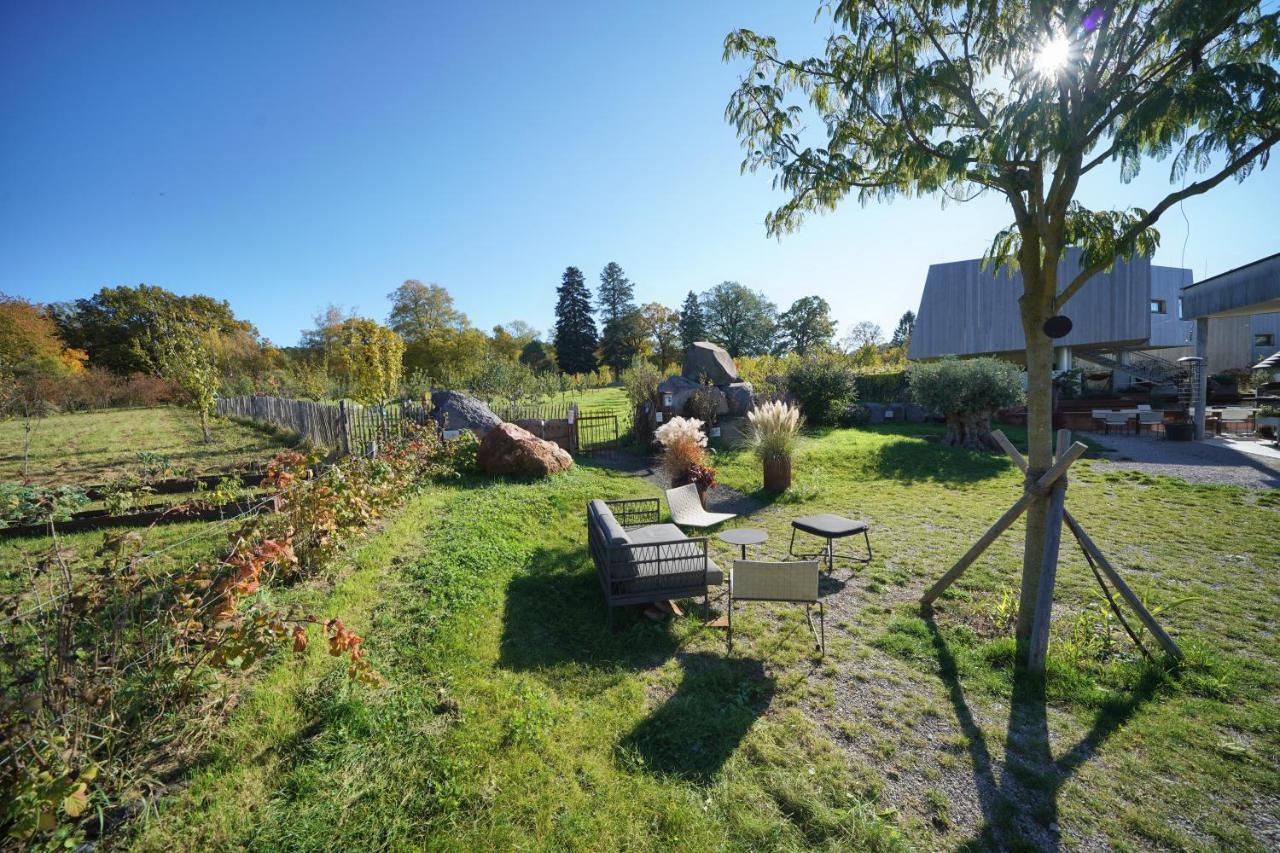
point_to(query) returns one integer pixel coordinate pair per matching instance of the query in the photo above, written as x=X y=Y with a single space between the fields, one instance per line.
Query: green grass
x=90 y=447
x=512 y=717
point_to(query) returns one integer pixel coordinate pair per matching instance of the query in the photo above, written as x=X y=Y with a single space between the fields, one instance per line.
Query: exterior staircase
x=1151 y=372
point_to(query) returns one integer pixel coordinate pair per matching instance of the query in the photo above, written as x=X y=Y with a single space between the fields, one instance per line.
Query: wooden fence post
x=343 y=436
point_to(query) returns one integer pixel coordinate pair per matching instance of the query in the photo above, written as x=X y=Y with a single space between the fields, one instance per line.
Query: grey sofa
x=639 y=560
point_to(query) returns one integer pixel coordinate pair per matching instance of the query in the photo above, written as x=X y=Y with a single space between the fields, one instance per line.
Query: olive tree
x=966 y=393
x=1022 y=100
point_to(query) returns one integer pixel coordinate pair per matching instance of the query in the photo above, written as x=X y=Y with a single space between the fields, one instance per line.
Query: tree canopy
x=123 y=328
x=902 y=332
x=29 y=341
x=741 y=320
x=807 y=325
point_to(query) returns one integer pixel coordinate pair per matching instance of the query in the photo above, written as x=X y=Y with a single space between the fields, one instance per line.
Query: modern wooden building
x=1126 y=320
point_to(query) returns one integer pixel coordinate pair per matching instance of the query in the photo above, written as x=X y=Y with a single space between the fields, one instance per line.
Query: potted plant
x=774 y=428
x=684 y=454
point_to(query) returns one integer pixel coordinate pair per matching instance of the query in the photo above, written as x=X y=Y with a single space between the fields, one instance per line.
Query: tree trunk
x=1039 y=288
x=971 y=431
x=204 y=426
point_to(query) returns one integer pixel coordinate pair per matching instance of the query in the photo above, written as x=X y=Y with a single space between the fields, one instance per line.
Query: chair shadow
x=555 y=627
x=1027 y=752
x=693 y=733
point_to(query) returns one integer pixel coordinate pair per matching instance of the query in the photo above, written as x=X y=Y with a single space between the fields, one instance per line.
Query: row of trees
x=744 y=321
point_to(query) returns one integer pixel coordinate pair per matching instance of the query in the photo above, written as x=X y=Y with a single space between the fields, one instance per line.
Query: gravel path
x=1211 y=462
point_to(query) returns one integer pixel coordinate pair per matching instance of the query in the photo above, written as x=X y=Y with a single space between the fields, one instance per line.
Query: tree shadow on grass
x=913 y=461
x=1032 y=777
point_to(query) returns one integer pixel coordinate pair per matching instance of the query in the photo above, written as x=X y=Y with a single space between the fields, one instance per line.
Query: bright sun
x=1052 y=56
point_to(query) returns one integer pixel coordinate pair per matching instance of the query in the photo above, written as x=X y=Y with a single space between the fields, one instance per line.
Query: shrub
x=641 y=381
x=824 y=386
x=704 y=404
x=966 y=393
x=775 y=426
x=767 y=375
x=683 y=446
x=889 y=387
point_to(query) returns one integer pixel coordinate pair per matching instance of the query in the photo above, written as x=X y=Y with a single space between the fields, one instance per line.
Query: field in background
x=91 y=447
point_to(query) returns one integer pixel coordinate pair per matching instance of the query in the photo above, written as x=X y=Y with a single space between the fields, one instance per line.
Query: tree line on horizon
x=144 y=344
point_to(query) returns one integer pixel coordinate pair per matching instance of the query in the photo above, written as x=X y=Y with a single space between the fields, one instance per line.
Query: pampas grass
x=682 y=442
x=774 y=429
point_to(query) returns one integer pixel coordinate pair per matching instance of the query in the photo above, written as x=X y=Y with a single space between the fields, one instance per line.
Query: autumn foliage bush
x=105 y=659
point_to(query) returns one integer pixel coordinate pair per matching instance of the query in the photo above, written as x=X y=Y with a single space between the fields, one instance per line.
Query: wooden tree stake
x=1166 y=642
x=1004 y=522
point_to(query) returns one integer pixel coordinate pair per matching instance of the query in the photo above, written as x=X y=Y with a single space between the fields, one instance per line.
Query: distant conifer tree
x=575 y=338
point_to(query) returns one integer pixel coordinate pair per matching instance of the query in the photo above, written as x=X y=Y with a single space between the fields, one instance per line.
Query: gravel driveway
x=1212 y=462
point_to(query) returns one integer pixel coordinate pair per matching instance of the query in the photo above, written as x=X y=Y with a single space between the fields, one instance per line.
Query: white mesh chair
x=1237 y=419
x=1116 y=419
x=796 y=581
x=1150 y=421
x=686 y=509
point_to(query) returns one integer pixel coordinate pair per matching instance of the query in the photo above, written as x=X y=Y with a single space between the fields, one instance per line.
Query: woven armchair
x=795 y=581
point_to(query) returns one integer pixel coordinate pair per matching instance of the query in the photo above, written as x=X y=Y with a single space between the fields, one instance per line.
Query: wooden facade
x=966 y=310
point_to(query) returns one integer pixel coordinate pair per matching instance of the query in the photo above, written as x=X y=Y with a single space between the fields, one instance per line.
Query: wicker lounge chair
x=686 y=509
x=640 y=561
x=798 y=582
x=830 y=527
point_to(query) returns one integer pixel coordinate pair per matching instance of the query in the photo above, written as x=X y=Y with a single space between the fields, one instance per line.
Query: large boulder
x=508 y=449
x=680 y=389
x=707 y=360
x=455 y=410
x=740 y=397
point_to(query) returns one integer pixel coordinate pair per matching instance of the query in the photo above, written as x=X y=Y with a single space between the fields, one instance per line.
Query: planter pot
x=1180 y=432
x=777 y=474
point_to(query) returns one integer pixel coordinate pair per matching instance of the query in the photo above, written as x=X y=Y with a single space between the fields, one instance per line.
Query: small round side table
x=744 y=536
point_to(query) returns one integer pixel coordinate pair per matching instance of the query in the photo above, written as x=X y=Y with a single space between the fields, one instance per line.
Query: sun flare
x=1053 y=55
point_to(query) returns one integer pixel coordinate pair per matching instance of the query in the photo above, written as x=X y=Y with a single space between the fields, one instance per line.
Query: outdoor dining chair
x=764 y=581
x=1116 y=419
x=687 y=510
x=1150 y=421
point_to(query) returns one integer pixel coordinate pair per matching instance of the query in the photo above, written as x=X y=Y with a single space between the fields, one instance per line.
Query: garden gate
x=597 y=431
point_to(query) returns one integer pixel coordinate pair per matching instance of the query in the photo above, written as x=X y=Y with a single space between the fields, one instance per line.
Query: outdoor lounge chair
x=640 y=561
x=686 y=509
x=798 y=582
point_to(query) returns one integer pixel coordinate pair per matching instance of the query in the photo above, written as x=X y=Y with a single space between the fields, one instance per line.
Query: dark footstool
x=831 y=527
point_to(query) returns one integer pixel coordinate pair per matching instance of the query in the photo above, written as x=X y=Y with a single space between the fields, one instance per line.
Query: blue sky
x=285 y=156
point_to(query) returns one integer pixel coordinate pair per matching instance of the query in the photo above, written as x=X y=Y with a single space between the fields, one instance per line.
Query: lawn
x=91 y=447
x=512 y=717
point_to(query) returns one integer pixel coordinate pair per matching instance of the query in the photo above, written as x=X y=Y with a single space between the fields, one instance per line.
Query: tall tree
x=1023 y=101
x=662 y=325
x=902 y=333
x=575 y=334
x=616 y=294
x=620 y=323
x=806 y=325
x=370 y=358
x=439 y=340
x=741 y=320
x=29 y=341
x=693 y=325
x=624 y=337
x=864 y=333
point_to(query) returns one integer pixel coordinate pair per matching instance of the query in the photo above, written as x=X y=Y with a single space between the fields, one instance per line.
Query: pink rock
x=508 y=449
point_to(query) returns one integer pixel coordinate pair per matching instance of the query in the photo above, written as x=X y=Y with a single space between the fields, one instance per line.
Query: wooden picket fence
x=341 y=426
x=353 y=428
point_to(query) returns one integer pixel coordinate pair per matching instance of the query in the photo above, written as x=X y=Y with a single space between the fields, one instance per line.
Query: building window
x=1266 y=339
x=1157 y=306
